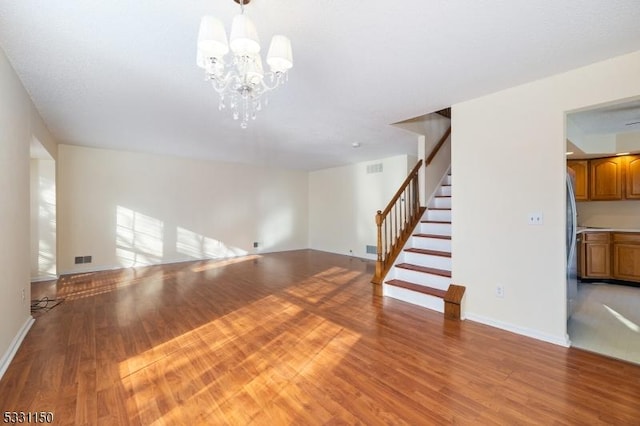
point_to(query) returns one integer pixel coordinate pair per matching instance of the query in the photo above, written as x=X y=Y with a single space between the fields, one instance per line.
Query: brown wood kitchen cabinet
x=611 y=178
x=632 y=177
x=626 y=256
x=595 y=256
x=609 y=255
x=605 y=178
x=581 y=176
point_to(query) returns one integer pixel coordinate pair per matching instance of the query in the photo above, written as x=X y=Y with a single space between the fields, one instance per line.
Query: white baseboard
x=15 y=344
x=534 y=334
x=43 y=278
x=103 y=268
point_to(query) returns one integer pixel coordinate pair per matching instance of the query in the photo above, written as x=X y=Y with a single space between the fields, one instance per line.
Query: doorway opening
x=603 y=151
x=43 y=213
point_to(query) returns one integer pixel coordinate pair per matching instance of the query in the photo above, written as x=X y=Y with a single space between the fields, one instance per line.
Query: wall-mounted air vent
x=374 y=168
x=372 y=250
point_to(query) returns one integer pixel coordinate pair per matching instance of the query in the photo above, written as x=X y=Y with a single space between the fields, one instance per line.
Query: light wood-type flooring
x=291 y=338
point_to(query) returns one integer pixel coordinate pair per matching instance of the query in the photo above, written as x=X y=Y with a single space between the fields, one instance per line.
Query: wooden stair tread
x=418 y=288
x=446 y=222
x=429 y=252
x=424 y=269
x=441 y=237
x=442 y=196
x=439 y=208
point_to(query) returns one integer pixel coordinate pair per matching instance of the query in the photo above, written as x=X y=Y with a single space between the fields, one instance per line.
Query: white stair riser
x=427 y=260
x=447 y=180
x=435 y=281
x=424 y=300
x=431 y=244
x=438 y=215
x=441 y=202
x=435 y=228
x=445 y=190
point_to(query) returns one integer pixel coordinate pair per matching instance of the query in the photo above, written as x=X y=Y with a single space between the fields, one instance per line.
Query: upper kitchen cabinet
x=605 y=178
x=632 y=187
x=581 y=175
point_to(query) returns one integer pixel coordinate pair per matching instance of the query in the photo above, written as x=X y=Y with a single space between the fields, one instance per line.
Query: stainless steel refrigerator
x=572 y=258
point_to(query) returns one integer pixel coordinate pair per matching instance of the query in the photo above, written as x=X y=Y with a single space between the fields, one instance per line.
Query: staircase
x=422 y=272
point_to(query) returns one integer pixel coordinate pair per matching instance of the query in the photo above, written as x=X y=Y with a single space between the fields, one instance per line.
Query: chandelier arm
x=221 y=86
x=276 y=77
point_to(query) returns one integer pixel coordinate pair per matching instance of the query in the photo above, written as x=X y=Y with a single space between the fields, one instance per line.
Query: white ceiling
x=623 y=117
x=121 y=74
x=604 y=130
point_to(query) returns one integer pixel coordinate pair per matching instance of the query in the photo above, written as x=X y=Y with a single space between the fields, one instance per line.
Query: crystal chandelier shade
x=234 y=66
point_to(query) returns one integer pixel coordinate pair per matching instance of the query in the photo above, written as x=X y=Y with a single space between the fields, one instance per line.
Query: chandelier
x=235 y=67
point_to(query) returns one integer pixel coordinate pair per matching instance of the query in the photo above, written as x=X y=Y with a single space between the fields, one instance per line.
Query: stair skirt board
x=409 y=296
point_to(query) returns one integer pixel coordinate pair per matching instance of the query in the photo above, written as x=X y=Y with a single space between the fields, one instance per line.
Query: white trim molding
x=43 y=278
x=534 y=334
x=15 y=344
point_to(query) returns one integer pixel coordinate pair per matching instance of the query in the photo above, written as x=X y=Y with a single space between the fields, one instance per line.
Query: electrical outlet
x=24 y=298
x=500 y=291
x=255 y=244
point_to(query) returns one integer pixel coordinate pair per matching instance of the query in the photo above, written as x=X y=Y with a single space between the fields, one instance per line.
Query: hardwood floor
x=291 y=338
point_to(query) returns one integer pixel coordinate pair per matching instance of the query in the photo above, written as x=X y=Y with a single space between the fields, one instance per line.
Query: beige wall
x=609 y=214
x=343 y=202
x=19 y=122
x=128 y=209
x=508 y=154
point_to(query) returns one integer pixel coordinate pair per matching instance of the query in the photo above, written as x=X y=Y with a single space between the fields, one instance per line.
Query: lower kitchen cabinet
x=595 y=259
x=626 y=256
x=609 y=255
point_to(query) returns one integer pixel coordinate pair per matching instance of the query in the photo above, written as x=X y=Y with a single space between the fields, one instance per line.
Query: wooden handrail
x=399 y=192
x=395 y=223
x=437 y=147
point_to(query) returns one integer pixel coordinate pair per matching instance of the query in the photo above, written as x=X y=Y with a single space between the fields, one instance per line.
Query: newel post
x=379 y=260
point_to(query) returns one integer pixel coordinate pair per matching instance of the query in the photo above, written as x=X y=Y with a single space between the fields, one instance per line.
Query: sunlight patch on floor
x=629 y=324
x=220 y=263
x=323 y=285
x=221 y=358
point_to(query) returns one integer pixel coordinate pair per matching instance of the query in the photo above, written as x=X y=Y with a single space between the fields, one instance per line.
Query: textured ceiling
x=623 y=117
x=122 y=75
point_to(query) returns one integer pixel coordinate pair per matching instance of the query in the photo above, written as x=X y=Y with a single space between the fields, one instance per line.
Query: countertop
x=582 y=229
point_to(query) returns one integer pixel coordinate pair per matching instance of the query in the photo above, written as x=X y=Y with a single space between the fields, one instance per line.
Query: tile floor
x=606 y=320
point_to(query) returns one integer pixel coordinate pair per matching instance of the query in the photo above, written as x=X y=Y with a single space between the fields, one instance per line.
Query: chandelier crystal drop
x=234 y=67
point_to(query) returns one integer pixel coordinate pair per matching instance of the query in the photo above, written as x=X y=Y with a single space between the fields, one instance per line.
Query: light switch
x=536 y=218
